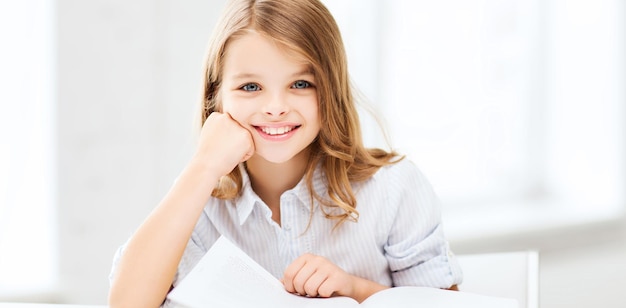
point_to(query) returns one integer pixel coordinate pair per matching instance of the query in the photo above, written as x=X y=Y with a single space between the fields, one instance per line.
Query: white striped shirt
x=397 y=241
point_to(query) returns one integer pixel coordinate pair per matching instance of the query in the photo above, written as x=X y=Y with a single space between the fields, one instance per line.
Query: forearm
x=145 y=270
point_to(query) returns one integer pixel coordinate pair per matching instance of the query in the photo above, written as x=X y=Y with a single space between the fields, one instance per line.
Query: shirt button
x=287 y=227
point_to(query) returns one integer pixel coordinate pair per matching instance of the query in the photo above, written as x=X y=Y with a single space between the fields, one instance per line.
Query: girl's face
x=271 y=92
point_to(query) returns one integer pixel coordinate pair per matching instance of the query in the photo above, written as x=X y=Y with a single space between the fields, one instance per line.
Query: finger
x=235 y=120
x=311 y=275
x=251 y=149
x=302 y=277
x=328 y=287
x=312 y=285
x=214 y=114
x=291 y=271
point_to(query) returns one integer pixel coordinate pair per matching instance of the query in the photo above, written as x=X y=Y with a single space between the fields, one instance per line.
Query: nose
x=276 y=105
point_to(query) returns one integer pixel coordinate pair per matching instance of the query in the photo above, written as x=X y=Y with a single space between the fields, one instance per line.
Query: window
x=513 y=109
x=27 y=198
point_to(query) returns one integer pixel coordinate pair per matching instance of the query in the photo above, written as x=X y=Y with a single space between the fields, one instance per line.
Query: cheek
x=237 y=110
x=313 y=111
x=226 y=104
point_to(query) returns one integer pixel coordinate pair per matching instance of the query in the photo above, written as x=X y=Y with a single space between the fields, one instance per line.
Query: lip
x=277 y=137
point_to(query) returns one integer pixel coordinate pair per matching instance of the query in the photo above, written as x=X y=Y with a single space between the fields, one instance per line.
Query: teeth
x=277 y=130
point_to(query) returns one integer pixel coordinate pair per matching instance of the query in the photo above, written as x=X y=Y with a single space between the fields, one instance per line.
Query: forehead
x=255 y=52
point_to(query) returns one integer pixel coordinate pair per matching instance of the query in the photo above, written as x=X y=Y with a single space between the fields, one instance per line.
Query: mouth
x=277 y=131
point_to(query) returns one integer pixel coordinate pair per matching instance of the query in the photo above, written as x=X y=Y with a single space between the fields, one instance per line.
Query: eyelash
x=306 y=85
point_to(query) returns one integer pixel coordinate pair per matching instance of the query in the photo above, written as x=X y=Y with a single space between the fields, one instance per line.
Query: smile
x=275 y=131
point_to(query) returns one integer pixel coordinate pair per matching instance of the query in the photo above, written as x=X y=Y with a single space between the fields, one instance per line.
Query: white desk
x=24 y=305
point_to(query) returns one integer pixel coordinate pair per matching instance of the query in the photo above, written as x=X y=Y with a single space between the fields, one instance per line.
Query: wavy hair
x=307 y=28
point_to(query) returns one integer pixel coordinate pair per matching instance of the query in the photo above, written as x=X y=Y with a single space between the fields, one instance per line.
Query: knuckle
x=288 y=276
x=325 y=291
x=311 y=290
x=299 y=282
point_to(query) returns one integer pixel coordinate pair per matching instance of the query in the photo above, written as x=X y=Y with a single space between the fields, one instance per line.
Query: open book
x=228 y=277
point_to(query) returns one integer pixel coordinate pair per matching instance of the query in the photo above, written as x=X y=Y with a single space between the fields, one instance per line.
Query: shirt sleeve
x=116 y=260
x=417 y=250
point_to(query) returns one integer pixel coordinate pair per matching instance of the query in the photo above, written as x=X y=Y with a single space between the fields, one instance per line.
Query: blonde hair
x=307 y=28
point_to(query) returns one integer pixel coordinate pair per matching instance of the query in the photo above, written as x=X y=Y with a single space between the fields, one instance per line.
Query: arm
x=145 y=270
x=417 y=249
x=315 y=276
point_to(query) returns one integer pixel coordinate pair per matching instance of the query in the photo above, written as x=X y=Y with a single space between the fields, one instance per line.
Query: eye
x=301 y=84
x=251 y=87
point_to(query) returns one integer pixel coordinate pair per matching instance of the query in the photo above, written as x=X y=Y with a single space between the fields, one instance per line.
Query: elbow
x=117 y=300
x=119 y=297
x=453 y=288
x=129 y=302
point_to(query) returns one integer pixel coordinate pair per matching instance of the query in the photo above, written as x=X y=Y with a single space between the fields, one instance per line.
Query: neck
x=270 y=180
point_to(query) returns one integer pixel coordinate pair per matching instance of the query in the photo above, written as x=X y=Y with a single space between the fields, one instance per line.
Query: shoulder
x=403 y=170
x=403 y=181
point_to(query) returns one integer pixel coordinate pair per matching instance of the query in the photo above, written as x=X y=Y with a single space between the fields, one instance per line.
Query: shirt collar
x=249 y=199
x=319 y=186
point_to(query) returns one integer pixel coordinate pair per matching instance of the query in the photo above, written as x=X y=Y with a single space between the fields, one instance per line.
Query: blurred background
x=514 y=109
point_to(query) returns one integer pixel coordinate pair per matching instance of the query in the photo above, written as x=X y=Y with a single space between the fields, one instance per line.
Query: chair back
x=504 y=274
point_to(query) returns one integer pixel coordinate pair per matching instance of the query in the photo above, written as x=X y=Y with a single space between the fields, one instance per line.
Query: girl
x=281 y=170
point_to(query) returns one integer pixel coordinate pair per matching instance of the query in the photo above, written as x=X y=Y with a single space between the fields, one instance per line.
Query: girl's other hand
x=224 y=143
x=315 y=276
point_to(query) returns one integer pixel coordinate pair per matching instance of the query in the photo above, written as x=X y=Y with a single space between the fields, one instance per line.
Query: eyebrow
x=306 y=71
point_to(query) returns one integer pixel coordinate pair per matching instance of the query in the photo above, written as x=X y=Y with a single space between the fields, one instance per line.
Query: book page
x=227 y=277
x=409 y=297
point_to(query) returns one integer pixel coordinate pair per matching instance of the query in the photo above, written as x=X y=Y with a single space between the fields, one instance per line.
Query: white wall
x=128 y=87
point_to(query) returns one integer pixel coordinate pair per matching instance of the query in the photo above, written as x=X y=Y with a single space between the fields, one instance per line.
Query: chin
x=278 y=156
x=276 y=159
